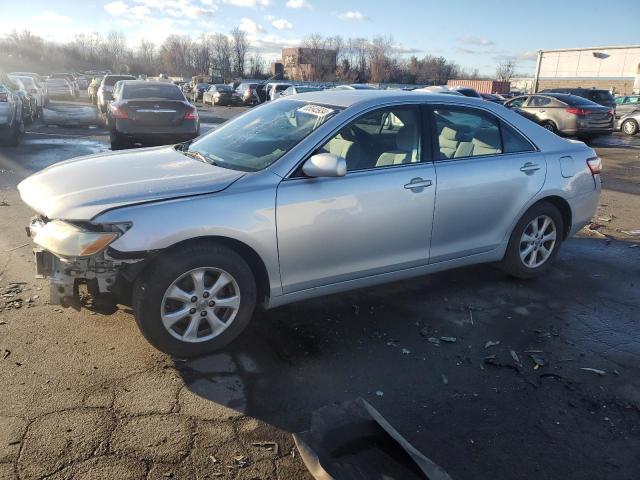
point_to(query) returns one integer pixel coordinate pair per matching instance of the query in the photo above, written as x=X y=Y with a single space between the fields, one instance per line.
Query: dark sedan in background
x=221 y=94
x=565 y=114
x=150 y=113
x=596 y=95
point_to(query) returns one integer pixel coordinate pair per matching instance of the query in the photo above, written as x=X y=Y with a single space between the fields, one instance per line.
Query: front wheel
x=629 y=127
x=195 y=299
x=534 y=242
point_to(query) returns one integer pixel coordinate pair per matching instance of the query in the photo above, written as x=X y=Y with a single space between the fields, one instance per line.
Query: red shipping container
x=482 y=86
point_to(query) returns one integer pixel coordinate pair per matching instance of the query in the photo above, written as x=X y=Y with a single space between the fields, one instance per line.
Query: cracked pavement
x=84 y=396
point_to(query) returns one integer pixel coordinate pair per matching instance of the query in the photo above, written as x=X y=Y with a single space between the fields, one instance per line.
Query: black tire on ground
x=549 y=125
x=151 y=285
x=13 y=136
x=511 y=263
x=117 y=142
x=629 y=127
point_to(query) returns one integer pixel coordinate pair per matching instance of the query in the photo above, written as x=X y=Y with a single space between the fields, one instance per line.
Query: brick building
x=611 y=68
x=308 y=63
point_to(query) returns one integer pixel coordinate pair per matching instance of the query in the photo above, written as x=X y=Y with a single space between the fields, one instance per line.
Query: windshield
x=261 y=136
x=170 y=92
x=26 y=81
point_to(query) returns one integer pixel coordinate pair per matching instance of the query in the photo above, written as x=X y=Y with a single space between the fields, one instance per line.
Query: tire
x=151 y=286
x=629 y=127
x=13 y=138
x=549 y=125
x=521 y=268
x=117 y=142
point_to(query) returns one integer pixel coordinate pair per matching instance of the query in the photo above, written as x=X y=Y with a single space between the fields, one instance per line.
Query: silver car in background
x=306 y=196
x=565 y=114
x=59 y=89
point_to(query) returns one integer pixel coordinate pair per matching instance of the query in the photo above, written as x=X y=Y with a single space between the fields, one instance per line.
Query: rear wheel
x=195 y=300
x=549 y=125
x=118 y=142
x=629 y=127
x=534 y=242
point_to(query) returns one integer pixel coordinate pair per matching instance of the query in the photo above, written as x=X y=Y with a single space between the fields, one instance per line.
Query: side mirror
x=325 y=165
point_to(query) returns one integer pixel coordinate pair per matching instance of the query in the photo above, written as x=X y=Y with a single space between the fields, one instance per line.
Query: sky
x=474 y=34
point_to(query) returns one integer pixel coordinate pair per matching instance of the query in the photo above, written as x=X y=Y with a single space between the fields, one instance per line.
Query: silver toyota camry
x=308 y=195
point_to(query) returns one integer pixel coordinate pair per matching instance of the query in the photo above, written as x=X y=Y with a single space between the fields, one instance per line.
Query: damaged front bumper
x=100 y=272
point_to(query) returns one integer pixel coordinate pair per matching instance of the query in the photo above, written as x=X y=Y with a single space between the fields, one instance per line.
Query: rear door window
x=538 y=101
x=462 y=133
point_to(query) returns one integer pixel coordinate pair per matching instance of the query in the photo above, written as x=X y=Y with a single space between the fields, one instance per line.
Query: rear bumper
x=584 y=207
x=155 y=135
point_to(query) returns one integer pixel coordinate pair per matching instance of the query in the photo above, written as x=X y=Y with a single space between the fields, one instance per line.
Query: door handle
x=529 y=167
x=418 y=183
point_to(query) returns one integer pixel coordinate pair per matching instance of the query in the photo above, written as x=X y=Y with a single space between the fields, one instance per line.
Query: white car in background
x=442 y=89
x=33 y=89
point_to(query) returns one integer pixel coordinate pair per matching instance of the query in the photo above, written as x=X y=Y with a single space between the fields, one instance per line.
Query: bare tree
x=239 y=46
x=506 y=70
x=222 y=55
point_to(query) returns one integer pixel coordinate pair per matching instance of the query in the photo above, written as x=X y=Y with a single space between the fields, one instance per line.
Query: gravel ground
x=84 y=396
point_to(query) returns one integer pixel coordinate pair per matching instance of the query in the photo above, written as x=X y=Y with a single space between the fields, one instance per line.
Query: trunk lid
x=156 y=112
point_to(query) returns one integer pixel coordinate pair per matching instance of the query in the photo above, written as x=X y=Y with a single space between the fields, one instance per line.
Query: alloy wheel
x=200 y=304
x=629 y=127
x=538 y=241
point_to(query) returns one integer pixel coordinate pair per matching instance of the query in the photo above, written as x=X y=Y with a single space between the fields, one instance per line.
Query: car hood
x=81 y=188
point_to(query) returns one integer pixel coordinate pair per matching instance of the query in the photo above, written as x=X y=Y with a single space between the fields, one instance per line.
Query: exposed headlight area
x=74 y=253
x=66 y=239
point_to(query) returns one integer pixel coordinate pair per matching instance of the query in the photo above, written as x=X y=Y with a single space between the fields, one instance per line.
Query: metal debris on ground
x=631 y=233
x=352 y=441
x=379 y=393
x=515 y=357
x=449 y=339
x=241 y=461
x=538 y=361
x=491 y=343
x=434 y=340
x=5 y=353
x=594 y=370
x=406 y=351
x=271 y=446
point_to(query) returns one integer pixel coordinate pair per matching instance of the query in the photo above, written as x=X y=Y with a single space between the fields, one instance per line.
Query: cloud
x=298 y=4
x=530 y=56
x=353 y=15
x=282 y=24
x=402 y=50
x=248 y=3
x=249 y=26
x=116 y=8
x=53 y=17
x=478 y=41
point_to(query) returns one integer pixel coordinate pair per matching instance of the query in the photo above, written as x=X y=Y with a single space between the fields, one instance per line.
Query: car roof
x=348 y=98
x=146 y=83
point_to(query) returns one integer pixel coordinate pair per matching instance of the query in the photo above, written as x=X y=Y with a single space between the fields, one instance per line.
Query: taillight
x=191 y=115
x=4 y=97
x=118 y=113
x=595 y=165
x=580 y=112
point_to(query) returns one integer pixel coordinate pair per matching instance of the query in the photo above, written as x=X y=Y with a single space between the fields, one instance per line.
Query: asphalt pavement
x=487 y=376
